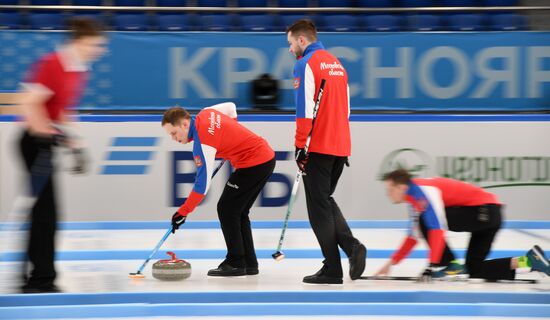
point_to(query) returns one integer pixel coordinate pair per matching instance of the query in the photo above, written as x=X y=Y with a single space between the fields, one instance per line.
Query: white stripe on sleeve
x=209 y=153
x=434 y=197
x=227 y=108
x=349 y=104
x=309 y=92
x=413 y=223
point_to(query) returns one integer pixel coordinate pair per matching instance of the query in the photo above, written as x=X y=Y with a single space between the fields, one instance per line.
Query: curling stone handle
x=173 y=255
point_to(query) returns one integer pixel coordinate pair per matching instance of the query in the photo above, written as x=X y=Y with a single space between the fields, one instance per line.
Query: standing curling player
x=328 y=151
x=54 y=85
x=216 y=133
x=440 y=203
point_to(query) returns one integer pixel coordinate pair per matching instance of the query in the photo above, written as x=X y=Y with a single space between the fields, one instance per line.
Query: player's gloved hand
x=60 y=140
x=50 y=140
x=177 y=221
x=64 y=137
x=80 y=161
x=426 y=276
x=301 y=157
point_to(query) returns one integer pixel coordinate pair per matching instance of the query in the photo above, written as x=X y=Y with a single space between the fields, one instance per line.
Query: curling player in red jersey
x=53 y=86
x=328 y=151
x=216 y=133
x=439 y=204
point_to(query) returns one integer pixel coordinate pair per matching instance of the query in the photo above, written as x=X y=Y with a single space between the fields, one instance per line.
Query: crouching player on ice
x=439 y=203
x=216 y=133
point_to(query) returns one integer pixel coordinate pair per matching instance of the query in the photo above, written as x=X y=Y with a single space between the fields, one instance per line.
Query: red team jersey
x=60 y=75
x=217 y=134
x=428 y=198
x=457 y=193
x=331 y=133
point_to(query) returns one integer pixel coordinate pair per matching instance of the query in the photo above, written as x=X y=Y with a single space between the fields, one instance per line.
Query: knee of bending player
x=224 y=208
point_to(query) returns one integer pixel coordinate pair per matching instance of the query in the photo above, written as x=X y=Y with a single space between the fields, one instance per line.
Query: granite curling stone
x=171 y=269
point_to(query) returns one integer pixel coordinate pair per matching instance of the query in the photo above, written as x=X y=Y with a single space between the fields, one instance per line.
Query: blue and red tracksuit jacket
x=425 y=202
x=331 y=132
x=216 y=133
x=428 y=198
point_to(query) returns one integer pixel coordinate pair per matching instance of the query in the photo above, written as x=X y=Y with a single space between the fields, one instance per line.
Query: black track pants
x=326 y=219
x=37 y=156
x=239 y=194
x=483 y=222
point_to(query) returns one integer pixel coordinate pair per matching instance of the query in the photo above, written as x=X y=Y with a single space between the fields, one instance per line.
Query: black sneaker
x=320 y=278
x=225 y=270
x=42 y=289
x=251 y=271
x=357 y=261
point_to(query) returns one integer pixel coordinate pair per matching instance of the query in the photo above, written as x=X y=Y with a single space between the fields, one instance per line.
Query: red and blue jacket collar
x=412 y=188
x=317 y=45
x=192 y=130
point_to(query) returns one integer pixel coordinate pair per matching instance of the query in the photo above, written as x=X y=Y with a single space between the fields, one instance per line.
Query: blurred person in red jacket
x=53 y=86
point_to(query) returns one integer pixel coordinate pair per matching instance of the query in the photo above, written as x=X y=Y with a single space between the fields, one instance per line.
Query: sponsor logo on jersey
x=332 y=66
x=215 y=122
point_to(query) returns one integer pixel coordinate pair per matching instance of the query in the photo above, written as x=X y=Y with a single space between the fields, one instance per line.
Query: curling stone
x=171 y=269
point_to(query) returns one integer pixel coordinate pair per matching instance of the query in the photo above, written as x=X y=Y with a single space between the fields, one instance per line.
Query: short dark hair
x=174 y=115
x=303 y=27
x=85 y=27
x=399 y=176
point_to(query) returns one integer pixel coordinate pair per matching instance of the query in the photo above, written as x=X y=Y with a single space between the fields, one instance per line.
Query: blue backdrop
x=414 y=71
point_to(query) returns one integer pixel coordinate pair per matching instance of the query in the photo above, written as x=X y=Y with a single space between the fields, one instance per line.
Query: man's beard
x=298 y=54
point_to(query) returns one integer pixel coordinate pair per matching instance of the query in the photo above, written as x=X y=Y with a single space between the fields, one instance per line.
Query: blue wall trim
x=124 y=169
x=353 y=117
x=134 y=141
x=130 y=156
x=82 y=255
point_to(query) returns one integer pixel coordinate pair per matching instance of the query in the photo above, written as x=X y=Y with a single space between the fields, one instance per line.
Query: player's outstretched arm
x=385 y=270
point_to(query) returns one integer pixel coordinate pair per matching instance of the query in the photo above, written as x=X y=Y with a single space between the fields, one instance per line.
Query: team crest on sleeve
x=421 y=205
x=198 y=161
x=296 y=83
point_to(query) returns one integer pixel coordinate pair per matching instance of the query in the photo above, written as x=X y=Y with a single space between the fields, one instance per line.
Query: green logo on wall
x=417 y=162
x=486 y=171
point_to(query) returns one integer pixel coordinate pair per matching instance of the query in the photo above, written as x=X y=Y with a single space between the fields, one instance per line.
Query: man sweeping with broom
x=217 y=134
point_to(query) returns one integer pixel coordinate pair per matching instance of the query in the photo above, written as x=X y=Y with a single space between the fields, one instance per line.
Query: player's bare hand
x=385 y=270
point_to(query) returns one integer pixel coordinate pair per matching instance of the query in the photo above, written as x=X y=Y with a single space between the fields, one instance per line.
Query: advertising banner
x=387 y=71
x=139 y=174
